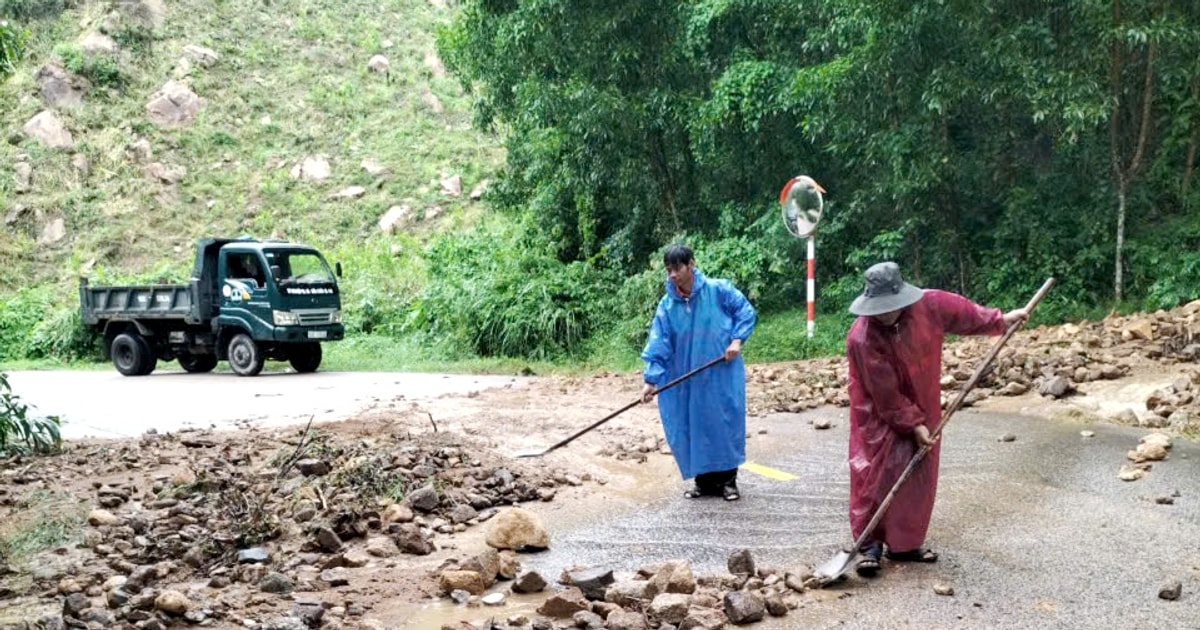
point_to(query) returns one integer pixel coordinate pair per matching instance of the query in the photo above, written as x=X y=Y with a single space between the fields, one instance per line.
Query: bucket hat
x=885 y=292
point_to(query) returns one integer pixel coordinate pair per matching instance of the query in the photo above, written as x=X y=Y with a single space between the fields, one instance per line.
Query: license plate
x=317 y=334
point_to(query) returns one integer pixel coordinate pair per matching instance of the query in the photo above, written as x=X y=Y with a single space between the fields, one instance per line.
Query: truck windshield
x=293 y=268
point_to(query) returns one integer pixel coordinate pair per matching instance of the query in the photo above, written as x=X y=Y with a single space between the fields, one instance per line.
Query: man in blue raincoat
x=699 y=320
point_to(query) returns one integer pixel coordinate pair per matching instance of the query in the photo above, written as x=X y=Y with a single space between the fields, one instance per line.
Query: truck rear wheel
x=305 y=357
x=131 y=355
x=244 y=355
x=197 y=363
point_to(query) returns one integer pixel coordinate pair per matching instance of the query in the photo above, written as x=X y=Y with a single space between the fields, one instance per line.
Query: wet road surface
x=107 y=405
x=1034 y=533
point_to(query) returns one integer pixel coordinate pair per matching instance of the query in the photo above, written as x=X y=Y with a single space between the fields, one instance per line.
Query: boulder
x=741 y=562
x=410 y=539
x=592 y=582
x=54 y=231
x=24 y=175
x=173 y=105
x=625 y=621
x=58 y=88
x=452 y=186
x=172 y=602
x=469 y=581
x=743 y=607
x=397 y=513
x=703 y=619
x=564 y=604
x=627 y=593
x=48 y=130
x=670 y=607
x=517 y=529
x=529 y=582
x=314 y=168
x=394 y=218
x=378 y=63
x=424 y=499
x=148 y=15
x=201 y=56
x=95 y=44
x=1056 y=387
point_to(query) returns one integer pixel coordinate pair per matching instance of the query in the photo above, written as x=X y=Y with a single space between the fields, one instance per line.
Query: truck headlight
x=285 y=318
x=336 y=316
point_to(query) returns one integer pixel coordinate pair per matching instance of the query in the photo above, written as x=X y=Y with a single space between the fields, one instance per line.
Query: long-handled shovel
x=840 y=563
x=623 y=409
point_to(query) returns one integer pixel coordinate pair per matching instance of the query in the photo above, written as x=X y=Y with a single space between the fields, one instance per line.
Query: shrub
x=62 y=335
x=20 y=313
x=24 y=10
x=100 y=70
x=493 y=294
x=12 y=47
x=20 y=433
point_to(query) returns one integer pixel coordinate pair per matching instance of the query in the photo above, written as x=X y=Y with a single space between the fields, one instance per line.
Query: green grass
x=291 y=81
x=784 y=337
x=778 y=337
x=42 y=521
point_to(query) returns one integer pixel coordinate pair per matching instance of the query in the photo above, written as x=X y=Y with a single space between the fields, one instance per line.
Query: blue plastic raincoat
x=704 y=417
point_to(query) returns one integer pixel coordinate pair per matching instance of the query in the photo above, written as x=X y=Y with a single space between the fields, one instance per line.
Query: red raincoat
x=894 y=386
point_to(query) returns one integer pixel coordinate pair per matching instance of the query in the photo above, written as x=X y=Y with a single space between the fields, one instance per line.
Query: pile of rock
x=794 y=388
x=1174 y=406
x=1052 y=361
x=1151 y=448
x=273 y=520
x=665 y=596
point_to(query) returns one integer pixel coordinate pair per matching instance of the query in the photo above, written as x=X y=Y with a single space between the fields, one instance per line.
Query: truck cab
x=283 y=297
x=247 y=301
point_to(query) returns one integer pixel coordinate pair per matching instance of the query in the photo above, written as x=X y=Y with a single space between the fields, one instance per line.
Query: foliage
x=20 y=313
x=952 y=136
x=62 y=335
x=784 y=337
x=100 y=70
x=983 y=146
x=493 y=295
x=25 y=10
x=12 y=47
x=19 y=431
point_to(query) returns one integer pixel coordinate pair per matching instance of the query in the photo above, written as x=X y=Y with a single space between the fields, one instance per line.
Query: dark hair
x=677 y=254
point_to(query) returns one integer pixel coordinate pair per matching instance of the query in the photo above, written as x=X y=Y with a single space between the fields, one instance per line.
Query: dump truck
x=247 y=301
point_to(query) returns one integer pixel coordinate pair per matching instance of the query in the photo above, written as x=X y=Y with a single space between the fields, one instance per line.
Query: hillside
x=305 y=120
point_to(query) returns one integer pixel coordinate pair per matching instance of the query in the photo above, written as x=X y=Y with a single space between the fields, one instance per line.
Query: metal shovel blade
x=537 y=453
x=834 y=568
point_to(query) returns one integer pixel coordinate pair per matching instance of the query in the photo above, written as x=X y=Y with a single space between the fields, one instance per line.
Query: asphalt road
x=1034 y=533
x=107 y=405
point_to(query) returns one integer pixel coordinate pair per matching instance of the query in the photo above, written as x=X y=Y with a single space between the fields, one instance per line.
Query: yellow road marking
x=769 y=473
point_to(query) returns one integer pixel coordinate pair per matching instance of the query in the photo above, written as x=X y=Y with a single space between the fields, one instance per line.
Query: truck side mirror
x=337 y=268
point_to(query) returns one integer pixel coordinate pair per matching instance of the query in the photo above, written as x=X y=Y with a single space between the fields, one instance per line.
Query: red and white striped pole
x=803 y=203
x=812 y=285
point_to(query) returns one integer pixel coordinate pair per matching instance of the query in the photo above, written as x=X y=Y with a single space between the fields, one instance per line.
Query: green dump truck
x=247 y=301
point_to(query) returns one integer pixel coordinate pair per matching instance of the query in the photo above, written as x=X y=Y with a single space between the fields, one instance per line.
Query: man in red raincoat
x=894 y=350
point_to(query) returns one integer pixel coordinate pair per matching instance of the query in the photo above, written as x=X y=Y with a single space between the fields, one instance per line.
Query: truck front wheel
x=244 y=355
x=305 y=357
x=197 y=363
x=131 y=355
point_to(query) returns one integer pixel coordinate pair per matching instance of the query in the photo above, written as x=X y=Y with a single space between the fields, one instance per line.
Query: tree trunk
x=1118 y=281
x=1190 y=165
x=1125 y=174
